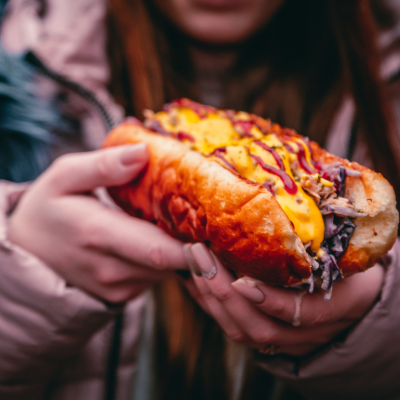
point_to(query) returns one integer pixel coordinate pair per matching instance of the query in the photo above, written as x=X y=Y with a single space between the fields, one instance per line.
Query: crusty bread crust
x=195 y=199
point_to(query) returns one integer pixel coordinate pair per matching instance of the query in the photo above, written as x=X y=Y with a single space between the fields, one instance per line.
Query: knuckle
x=90 y=234
x=155 y=254
x=278 y=308
x=105 y=167
x=224 y=294
x=324 y=316
x=204 y=292
x=263 y=337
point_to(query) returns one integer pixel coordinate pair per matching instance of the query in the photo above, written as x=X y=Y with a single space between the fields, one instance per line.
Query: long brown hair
x=295 y=71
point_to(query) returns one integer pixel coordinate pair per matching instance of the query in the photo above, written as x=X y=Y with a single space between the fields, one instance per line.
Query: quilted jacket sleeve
x=43 y=321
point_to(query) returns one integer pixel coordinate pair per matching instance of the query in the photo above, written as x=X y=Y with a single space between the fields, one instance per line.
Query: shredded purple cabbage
x=340 y=181
x=337 y=240
x=311 y=288
x=330 y=227
x=338 y=232
x=338 y=228
x=342 y=211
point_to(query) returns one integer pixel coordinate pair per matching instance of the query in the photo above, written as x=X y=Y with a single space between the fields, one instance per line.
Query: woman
x=69 y=262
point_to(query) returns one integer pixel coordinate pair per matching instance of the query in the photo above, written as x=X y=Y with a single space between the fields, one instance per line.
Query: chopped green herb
x=319 y=179
x=359 y=210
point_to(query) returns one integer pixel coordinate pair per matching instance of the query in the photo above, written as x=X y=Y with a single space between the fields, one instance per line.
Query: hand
x=259 y=315
x=103 y=251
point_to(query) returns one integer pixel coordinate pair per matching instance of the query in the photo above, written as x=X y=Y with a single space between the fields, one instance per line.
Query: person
x=76 y=317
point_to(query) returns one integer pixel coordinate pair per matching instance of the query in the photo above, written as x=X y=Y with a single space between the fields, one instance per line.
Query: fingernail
x=193 y=266
x=204 y=260
x=247 y=287
x=134 y=154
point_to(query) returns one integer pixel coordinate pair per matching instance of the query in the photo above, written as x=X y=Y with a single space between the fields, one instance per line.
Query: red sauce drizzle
x=156 y=126
x=301 y=156
x=243 y=128
x=184 y=135
x=219 y=153
x=288 y=182
x=200 y=109
x=288 y=147
x=277 y=157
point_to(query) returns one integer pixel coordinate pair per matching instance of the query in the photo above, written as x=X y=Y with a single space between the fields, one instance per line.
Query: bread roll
x=196 y=194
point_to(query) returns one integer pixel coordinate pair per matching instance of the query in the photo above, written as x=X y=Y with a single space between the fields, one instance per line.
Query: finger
x=281 y=303
x=228 y=324
x=115 y=233
x=78 y=173
x=91 y=269
x=257 y=326
x=139 y=242
x=350 y=299
x=212 y=304
x=119 y=294
x=215 y=287
x=298 y=350
x=194 y=292
x=110 y=270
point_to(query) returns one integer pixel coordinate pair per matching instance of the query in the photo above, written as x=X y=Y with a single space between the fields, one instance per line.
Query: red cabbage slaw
x=339 y=229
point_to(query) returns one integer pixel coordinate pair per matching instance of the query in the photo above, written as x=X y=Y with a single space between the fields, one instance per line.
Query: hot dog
x=271 y=204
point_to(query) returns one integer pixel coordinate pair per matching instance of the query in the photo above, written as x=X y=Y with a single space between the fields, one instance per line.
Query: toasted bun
x=195 y=199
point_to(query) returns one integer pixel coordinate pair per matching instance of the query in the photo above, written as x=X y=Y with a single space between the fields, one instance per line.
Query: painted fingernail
x=134 y=154
x=247 y=287
x=204 y=260
x=193 y=266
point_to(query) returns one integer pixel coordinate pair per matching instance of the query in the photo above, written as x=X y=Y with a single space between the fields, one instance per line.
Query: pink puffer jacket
x=55 y=339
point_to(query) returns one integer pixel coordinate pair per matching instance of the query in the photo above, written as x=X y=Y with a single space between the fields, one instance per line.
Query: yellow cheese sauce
x=274 y=161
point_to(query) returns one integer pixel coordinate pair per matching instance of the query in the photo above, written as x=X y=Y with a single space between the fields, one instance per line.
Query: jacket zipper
x=89 y=96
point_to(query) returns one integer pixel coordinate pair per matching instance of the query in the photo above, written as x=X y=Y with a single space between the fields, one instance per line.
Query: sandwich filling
x=312 y=196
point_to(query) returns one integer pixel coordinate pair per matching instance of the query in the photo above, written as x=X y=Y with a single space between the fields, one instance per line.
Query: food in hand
x=271 y=204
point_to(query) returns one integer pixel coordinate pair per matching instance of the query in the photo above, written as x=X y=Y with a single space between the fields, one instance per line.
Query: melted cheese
x=217 y=131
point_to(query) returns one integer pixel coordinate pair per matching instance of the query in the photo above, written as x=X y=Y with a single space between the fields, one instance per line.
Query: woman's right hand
x=101 y=250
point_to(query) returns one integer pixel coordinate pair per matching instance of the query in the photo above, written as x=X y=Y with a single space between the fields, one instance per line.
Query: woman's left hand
x=263 y=316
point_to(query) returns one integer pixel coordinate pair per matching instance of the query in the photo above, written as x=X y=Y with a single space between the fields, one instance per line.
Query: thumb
x=82 y=172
